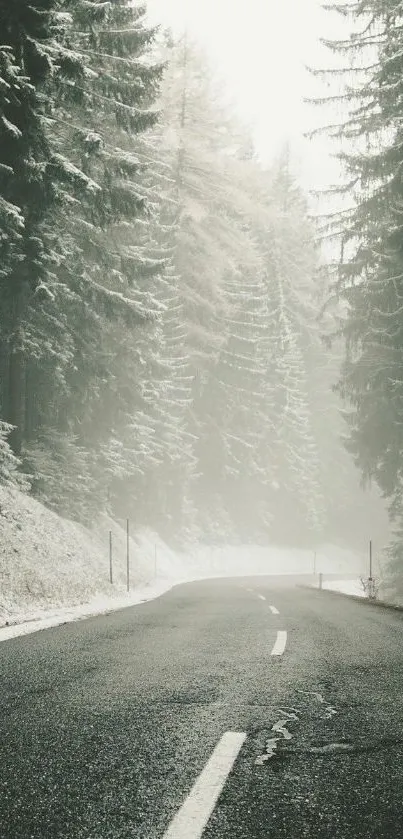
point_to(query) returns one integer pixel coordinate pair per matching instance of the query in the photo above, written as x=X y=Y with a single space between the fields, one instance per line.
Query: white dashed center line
x=196 y=810
x=281 y=641
x=274 y=611
x=260 y=596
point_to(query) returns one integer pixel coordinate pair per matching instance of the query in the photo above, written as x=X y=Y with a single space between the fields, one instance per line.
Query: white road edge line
x=197 y=808
x=281 y=641
x=274 y=611
x=261 y=597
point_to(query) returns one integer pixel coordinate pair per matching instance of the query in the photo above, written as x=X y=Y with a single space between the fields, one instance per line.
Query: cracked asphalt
x=106 y=723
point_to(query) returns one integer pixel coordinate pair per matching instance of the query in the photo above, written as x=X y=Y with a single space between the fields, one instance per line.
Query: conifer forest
x=174 y=346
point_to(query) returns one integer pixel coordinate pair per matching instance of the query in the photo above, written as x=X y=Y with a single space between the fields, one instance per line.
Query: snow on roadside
x=99 y=605
x=51 y=567
x=351 y=587
x=53 y=570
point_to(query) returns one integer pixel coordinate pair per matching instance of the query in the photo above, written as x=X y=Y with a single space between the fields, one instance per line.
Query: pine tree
x=369 y=274
x=32 y=180
x=233 y=414
x=10 y=471
x=104 y=306
x=295 y=492
x=170 y=470
x=199 y=137
x=201 y=232
x=297 y=498
x=221 y=205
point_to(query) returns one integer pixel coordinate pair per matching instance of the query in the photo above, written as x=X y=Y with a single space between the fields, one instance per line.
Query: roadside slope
x=49 y=562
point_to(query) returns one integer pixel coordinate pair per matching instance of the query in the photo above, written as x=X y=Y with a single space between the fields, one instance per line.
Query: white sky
x=260 y=49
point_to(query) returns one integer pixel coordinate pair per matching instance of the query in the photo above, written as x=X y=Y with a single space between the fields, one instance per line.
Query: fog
x=201 y=419
x=262 y=62
x=181 y=349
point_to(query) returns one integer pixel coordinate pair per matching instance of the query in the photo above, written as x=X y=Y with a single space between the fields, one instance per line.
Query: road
x=226 y=709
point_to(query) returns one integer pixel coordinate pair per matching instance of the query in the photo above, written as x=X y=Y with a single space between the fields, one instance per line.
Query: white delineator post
x=110 y=558
x=127 y=556
x=371 y=581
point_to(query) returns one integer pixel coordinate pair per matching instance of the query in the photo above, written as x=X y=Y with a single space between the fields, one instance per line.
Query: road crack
x=280 y=733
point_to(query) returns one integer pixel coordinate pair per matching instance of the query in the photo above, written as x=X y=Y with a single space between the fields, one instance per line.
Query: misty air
x=201 y=419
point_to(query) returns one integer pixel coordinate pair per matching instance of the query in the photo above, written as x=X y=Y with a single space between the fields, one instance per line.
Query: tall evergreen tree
x=233 y=453
x=201 y=219
x=166 y=379
x=369 y=274
x=199 y=139
x=32 y=182
x=104 y=304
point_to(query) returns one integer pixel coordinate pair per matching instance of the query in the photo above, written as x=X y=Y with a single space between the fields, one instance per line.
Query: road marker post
x=110 y=558
x=127 y=556
x=320 y=580
x=371 y=581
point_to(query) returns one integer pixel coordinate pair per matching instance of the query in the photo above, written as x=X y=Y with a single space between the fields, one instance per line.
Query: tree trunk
x=16 y=398
x=4 y=378
x=16 y=380
x=30 y=418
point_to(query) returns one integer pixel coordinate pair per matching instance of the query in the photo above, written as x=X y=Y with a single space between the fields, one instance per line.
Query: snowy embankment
x=54 y=570
x=353 y=587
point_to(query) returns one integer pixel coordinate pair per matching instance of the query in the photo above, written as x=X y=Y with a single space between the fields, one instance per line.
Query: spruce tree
x=103 y=272
x=369 y=274
x=204 y=233
x=294 y=491
x=32 y=180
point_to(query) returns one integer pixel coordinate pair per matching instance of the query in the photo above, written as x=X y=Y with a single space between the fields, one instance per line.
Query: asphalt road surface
x=226 y=709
